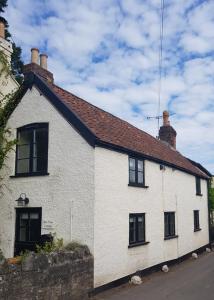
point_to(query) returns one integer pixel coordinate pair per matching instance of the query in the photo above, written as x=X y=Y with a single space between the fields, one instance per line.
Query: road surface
x=189 y=280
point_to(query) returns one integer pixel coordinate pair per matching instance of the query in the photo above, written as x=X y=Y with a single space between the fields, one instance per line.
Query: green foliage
x=75 y=246
x=3 y=5
x=211 y=198
x=7 y=105
x=2 y=258
x=49 y=247
x=23 y=255
x=16 y=61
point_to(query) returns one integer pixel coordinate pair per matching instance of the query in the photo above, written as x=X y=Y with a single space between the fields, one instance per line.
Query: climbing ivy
x=7 y=105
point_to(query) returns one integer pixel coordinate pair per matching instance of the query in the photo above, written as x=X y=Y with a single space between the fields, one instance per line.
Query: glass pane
x=141 y=233
x=23 y=151
x=23 y=166
x=132 y=176
x=140 y=177
x=40 y=142
x=22 y=234
x=24 y=216
x=35 y=230
x=132 y=163
x=166 y=224
x=132 y=230
x=34 y=216
x=39 y=164
x=140 y=165
x=25 y=137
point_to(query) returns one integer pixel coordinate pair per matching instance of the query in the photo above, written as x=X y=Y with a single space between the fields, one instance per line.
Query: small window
x=32 y=149
x=169 y=224
x=198 y=185
x=136 y=228
x=136 y=171
x=196 y=220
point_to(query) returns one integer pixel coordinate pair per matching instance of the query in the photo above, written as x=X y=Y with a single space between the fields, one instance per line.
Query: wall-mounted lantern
x=22 y=200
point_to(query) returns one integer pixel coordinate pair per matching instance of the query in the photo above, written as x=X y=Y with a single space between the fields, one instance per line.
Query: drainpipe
x=209 y=211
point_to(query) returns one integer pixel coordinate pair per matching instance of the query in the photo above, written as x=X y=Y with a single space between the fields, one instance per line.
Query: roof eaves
x=70 y=116
x=121 y=149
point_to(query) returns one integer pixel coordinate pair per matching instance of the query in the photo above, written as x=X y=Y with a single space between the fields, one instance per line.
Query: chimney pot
x=166 y=121
x=43 y=61
x=2 y=29
x=34 y=55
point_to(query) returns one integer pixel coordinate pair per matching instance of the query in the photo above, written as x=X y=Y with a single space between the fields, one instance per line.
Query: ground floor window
x=169 y=224
x=28 y=229
x=196 y=220
x=136 y=228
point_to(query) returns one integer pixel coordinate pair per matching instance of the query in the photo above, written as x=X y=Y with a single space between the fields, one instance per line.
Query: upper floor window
x=198 y=185
x=136 y=171
x=32 y=149
x=196 y=220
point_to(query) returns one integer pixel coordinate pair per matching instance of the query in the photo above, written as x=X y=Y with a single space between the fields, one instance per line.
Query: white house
x=8 y=83
x=89 y=176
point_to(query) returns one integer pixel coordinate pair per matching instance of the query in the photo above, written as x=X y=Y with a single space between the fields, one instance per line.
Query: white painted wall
x=66 y=195
x=8 y=84
x=169 y=190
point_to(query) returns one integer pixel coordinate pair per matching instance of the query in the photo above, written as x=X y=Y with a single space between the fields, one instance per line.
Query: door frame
x=19 y=210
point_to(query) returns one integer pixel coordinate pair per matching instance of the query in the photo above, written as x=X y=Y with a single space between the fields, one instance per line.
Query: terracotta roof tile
x=113 y=130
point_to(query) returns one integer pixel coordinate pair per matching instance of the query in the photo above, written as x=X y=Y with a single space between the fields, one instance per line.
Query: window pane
x=141 y=229
x=40 y=142
x=25 y=137
x=166 y=224
x=140 y=165
x=132 y=229
x=23 y=166
x=34 y=216
x=35 y=229
x=172 y=224
x=140 y=177
x=23 y=234
x=131 y=163
x=23 y=151
x=132 y=176
x=24 y=216
x=198 y=185
x=39 y=164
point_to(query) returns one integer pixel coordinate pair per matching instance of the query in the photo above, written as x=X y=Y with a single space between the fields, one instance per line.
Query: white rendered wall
x=8 y=84
x=169 y=190
x=66 y=195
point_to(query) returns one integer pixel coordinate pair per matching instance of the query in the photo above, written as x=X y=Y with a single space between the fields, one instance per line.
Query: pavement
x=193 y=279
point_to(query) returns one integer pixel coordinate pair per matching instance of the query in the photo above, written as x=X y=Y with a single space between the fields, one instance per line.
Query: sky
x=107 y=53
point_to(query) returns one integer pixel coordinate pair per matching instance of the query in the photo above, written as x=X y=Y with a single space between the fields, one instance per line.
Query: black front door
x=28 y=229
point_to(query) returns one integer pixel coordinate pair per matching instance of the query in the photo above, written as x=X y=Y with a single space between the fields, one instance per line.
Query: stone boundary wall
x=54 y=276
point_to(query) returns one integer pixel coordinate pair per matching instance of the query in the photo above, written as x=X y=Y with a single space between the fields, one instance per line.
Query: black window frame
x=31 y=127
x=137 y=241
x=196 y=220
x=169 y=226
x=136 y=183
x=29 y=244
x=198 y=186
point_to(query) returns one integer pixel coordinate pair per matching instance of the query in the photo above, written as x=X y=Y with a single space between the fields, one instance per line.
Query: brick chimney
x=167 y=133
x=41 y=69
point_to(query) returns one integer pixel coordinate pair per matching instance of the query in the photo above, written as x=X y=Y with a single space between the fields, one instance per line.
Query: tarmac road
x=189 y=280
